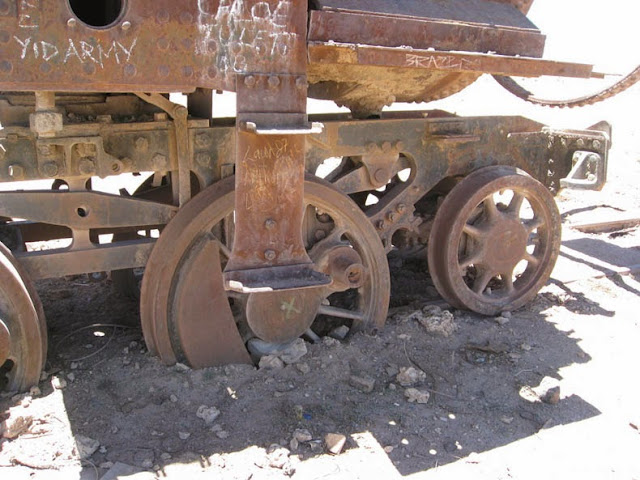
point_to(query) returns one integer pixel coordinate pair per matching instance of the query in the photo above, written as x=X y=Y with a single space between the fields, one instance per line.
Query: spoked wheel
x=187 y=315
x=23 y=331
x=494 y=240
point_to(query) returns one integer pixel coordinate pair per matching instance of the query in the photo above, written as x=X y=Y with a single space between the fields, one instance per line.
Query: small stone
x=339 y=333
x=501 y=320
x=35 y=391
x=415 y=395
x=126 y=361
x=526 y=347
x=388 y=449
x=181 y=367
x=125 y=350
x=303 y=368
x=58 y=383
x=102 y=449
x=208 y=414
x=316 y=446
x=133 y=344
x=222 y=434
x=147 y=463
x=507 y=420
x=183 y=435
x=71 y=376
x=173 y=398
x=270 y=362
x=330 y=342
x=364 y=383
x=73 y=365
x=335 y=443
x=302 y=435
x=165 y=456
x=410 y=376
x=106 y=465
x=278 y=456
x=506 y=314
x=15 y=425
x=294 y=352
x=439 y=324
x=392 y=386
x=293 y=444
x=548 y=391
x=86 y=446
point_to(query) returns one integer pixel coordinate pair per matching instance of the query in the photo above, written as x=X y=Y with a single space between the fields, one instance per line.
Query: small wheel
x=23 y=333
x=494 y=240
x=187 y=315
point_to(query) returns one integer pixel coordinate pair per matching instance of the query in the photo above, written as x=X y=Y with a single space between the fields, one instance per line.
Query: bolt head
x=250 y=81
x=142 y=144
x=597 y=144
x=16 y=171
x=391 y=216
x=86 y=166
x=274 y=82
x=126 y=25
x=72 y=22
x=50 y=169
x=270 y=224
x=380 y=225
x=401 y=208
x=270 y=255
x=159 y=161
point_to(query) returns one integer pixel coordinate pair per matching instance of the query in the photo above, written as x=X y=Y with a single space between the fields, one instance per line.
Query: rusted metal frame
x=84 y=210
x=179 y=114
x=88 y=259
x=345 y=54
x=271 y=128
x=357 y=28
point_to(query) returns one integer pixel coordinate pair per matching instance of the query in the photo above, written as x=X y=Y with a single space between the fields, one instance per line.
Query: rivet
x=187 y=71
x=401 y=208
x=163 y=43
x=270 y=224
x=5 y=66
x=400 y=146
x=391 y=216
x=163 y=70
x=142 y=144
x=203 y=140
x=320 y=234
x=250 y=81
x=270 y=255
x=301 y=82
x=86 y=166
x=380 y=225
x=126 y=25
x=274 y=82
x=129 y=70
x=381 y=175
x=596 y=144
x=580 y=142
x=72 y=22
x=50 y=169
x=386 y=147
x=159 y=161
x=203 y=159
x=371 y=147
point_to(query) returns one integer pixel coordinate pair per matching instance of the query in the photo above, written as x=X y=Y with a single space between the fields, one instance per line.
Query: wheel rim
x=23 y=335
x=207 y=220
x=494 y=241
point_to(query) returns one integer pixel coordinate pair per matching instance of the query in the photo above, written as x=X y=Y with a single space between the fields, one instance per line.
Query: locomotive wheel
x=187 y=315
x=494 y=240
x=23 y=331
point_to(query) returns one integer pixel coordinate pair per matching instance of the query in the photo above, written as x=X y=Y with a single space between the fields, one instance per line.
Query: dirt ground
x=547 y=391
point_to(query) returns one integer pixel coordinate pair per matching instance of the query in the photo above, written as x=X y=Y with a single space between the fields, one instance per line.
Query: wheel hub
x=5 y=342
x=505 y=245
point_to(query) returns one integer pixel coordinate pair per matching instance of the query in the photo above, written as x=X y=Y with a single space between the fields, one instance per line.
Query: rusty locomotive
x=238 y=235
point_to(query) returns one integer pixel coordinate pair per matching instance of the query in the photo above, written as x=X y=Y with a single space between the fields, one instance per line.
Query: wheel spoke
x=534 y=223
x=472 y=231
x=531 y=259
x=340 y=312
x=481 y=282
x=490 y=208
x=224 y=250
x=507 y=281
x=516 y=204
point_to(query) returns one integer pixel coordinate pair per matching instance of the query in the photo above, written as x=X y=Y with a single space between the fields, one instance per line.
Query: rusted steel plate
x=446 y=61
x=161 y=45
x=391 y=31
x=488 y=12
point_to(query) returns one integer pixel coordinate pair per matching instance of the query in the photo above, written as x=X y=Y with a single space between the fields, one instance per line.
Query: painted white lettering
x=72 y=51
x=25 y=45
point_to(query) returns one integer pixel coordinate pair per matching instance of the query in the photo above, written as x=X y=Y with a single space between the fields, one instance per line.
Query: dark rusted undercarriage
x=251 y=229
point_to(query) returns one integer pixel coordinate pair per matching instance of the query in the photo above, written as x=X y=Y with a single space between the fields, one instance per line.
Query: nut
x=270 y=255
x=86 y=166
x=159 y=161
x=274 y=82
x=50 y=169
x=269 y=224
x=250 y=81
x=142 y=144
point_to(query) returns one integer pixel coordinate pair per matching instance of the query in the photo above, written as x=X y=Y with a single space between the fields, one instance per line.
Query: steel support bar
x=268 y=250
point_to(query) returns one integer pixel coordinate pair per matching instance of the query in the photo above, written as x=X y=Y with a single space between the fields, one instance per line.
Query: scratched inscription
x=441 y=62
x=241 y=35
x=79 y=51
x=29 y=14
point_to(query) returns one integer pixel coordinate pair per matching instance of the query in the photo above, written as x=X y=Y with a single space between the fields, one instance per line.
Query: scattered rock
x=415 y=395
x=441 y=323
x=15 y=425
x=339 y=333
x=278 y=456
x=506 y=314
x=388 y=449
x=35 y=391
x=73 y=365
x=165 y=456
x=208 y=414
x=303 y=368
x=330 y=342
x=184 y=435
x=144 y=457
x=181 y=367
x=392 y=386
x=501 y=320
x=363 y=383
x=86 y=446
x=526 y=347
x=302 y=435
x=58 y=383
x=548 y=391
x=410 y=376
x=173 y=399
x=506 y=419
x=105 y=465
x=270 y=362
x=294 y=352
x=71 y=376
x=335 y=443
x=222 y=434
x=102 y=449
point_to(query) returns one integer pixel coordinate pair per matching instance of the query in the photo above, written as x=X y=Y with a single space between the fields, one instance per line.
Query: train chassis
x=473 y=195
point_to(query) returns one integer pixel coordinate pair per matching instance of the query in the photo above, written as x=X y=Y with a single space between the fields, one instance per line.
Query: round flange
x=494 y=240
x=187 y=315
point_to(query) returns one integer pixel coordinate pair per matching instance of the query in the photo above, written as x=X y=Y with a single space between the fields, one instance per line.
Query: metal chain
x=519 y=91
